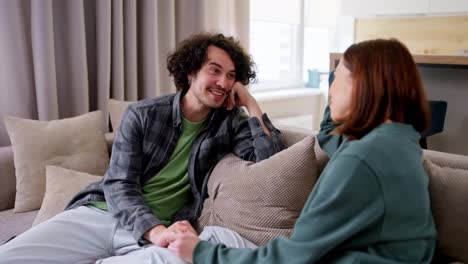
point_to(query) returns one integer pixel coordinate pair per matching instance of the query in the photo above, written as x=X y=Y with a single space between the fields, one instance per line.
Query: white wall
x=301 y=108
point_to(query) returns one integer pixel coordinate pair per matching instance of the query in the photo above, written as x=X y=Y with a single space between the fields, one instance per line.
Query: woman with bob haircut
x=371 y=203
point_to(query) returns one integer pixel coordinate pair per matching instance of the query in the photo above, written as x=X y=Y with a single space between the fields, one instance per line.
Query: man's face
x=340 y=94
x=213 y=83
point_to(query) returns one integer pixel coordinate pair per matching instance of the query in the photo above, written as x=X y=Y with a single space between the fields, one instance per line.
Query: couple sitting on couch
x=370 y=205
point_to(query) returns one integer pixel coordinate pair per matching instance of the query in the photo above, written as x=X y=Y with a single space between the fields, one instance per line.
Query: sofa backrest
x=443 y=159
x=291 y=136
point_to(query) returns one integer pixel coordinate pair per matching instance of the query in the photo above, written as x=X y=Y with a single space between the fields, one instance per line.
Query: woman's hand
x=183 y=245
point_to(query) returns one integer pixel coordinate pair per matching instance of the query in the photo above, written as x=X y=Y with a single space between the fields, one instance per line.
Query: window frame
x=298 y=60
x=299 y=79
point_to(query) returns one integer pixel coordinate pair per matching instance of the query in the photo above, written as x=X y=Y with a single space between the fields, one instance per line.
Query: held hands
x=183 y=245
x=239 y=96
x=180 y=238
x=159 y=235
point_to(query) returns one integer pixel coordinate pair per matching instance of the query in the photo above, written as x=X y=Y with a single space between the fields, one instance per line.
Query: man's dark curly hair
x=191 y=54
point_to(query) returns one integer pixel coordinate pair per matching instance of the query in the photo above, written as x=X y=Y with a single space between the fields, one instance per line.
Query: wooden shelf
x=436 y=60
x=441 y=59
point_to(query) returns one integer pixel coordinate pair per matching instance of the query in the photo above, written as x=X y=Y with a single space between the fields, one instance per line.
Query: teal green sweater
x=370 y=205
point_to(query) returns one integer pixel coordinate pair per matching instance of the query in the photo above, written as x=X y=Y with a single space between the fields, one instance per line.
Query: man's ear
x=190 y=78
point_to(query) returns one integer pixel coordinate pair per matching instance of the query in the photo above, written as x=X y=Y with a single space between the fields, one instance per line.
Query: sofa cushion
x=76 y=143
x=13 y=224
x=61 y=185
x=292 y=135
x=448 y=189
x=116 y=111
x=261 y=200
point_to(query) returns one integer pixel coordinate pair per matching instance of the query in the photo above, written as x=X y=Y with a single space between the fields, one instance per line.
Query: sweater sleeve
x=346 y=203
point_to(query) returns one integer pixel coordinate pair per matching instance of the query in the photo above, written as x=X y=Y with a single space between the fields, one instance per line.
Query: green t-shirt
x=169 y=191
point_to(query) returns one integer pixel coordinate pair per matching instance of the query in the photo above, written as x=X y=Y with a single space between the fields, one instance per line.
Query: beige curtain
x=62 y=58
x=228 y=16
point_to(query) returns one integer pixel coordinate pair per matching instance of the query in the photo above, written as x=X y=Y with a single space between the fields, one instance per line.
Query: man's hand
x=239 y=96
x=159 y=234
x=183 y=245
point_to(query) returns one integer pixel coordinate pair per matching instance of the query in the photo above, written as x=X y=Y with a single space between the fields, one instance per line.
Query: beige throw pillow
x=261 y=200
x=116 y=111
x=449 y=194
x=76 y=143
x=61 y=186
x=292 y=135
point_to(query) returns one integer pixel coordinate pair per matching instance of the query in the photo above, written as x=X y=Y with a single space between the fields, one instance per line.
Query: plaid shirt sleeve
x=122 y=182
x=251 y=142
x=328 y=141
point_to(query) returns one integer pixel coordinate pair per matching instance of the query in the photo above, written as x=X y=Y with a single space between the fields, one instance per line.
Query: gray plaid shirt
x=146 y=138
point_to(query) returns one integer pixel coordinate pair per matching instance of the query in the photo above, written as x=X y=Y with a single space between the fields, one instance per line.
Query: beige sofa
x=12 y=224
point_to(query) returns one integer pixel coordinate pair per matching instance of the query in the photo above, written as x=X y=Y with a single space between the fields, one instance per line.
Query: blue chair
x=438 y=109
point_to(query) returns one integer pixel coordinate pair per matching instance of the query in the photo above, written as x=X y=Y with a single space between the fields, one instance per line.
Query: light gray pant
x=90 y=235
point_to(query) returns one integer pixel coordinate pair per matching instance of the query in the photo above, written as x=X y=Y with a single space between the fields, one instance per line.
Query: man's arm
x=122 y=182
x=240 y=96
x=123 y=188
x=328 y=140
x=254 y=138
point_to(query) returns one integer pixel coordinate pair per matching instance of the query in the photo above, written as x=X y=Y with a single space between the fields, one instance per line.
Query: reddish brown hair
x=386 y=85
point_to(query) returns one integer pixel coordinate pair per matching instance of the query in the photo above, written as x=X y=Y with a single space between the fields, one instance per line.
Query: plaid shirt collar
x=177 y=112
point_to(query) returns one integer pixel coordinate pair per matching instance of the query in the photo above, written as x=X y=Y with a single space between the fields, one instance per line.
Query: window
x=290 y=39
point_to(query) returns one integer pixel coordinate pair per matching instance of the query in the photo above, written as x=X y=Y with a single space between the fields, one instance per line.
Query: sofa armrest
x=7 y=178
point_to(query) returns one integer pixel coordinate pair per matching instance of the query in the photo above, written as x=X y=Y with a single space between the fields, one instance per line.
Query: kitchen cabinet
x=366 y=8
x=372 y=8
x=425 y=60
x=359 y=8
x=448 y=6
x=402 y=7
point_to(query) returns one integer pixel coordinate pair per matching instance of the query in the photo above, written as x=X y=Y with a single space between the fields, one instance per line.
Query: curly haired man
x=162 y=155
